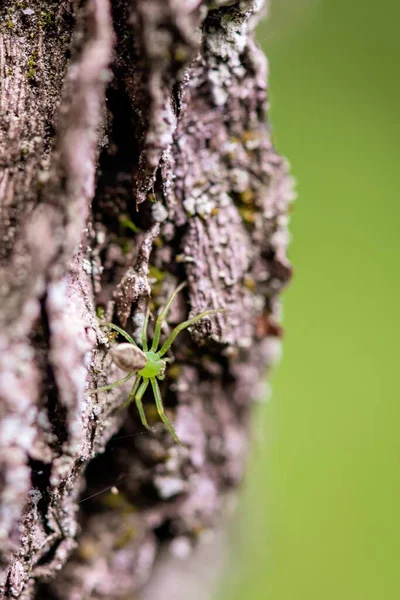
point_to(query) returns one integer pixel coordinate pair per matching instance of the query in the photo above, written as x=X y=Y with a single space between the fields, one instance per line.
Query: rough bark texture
x=134 y=155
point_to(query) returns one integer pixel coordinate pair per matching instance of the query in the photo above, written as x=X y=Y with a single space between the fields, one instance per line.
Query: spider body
x=148 y=364
x=155 y=366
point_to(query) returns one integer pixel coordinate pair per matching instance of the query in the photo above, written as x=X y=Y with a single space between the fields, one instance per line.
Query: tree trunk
x=134 y=155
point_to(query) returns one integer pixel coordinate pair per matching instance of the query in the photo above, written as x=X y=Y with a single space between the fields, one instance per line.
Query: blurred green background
x=319 y=516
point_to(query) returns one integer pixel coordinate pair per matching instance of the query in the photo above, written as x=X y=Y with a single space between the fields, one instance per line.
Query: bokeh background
x=319 y=516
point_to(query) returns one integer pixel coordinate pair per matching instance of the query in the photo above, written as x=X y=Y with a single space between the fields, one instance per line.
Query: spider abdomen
x=128 y=357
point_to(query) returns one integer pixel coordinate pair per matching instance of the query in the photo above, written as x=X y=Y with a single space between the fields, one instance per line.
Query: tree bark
x=134 y=155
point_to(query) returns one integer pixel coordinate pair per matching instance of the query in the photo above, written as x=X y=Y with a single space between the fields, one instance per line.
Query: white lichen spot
x=35 y=495
x=258 y=300
x=280 y=238
x=168 y=486
x=273 y=350
x=20 y=478
x=17 y=577
x=57 y=295
x=96 y=410
x=240 y=180
x=101 y=237
x=159 y=212
x=61 y=469
x=10 y=429
x=263 y=392
x=87 y=266
x=189 y=204
x=230 y=281
x=173 y=461
x=105 y=75
x=138 y=321
x=13 y=431
x=245 y=342
x=283 y=220
x=202 y=205
x=252 y=144
x=43 y=177
x=97 y=269
x=220 y=95
x=181 y=547
x=42 y=419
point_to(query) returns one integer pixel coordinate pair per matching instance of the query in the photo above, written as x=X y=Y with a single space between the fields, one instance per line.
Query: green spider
x=147 y=364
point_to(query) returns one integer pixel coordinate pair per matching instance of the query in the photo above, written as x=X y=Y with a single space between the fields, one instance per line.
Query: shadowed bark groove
x=134 y=155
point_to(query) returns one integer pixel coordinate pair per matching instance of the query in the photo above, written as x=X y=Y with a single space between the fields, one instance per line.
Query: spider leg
x=104 y=388
x=160 y=409
x=137 y=395
x=122 y=332
x=132 y=393
x=183 y=326
x=144 y=331
x=139 y=404
x=162 y=315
